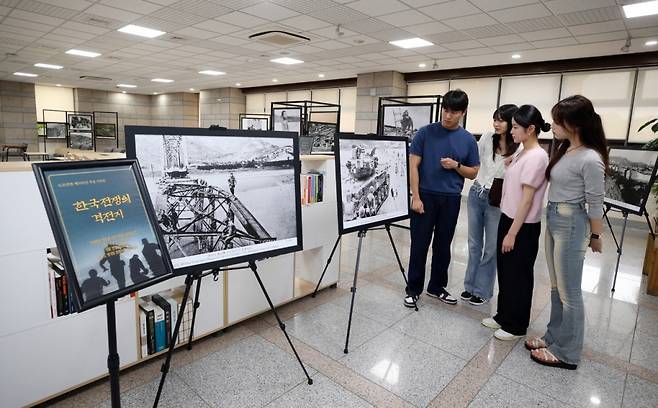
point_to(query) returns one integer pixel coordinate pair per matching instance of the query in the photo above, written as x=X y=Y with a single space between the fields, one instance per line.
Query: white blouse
x=490 y=168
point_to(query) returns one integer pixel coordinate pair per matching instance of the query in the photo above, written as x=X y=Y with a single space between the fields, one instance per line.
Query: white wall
x=51 y=97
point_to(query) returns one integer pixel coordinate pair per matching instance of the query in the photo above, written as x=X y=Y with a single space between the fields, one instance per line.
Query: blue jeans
x=482 y=235
x=567 y=238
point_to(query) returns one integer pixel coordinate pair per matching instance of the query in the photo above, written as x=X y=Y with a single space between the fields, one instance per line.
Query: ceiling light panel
x=647 y=8
x=141 y=31
x=411 y=43
x=212 y=72
x=286 y=61
x=48 y=66
x=163 y=80
x=83 y=53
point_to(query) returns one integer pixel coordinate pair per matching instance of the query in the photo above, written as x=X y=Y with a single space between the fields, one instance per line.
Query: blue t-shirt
x=434 y=142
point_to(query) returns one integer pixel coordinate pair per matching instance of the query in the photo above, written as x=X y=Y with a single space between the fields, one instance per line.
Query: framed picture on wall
x=81 y=140
x=80 y=122
x=56 y=130
x=405 y=120
x=105 y=130
x=286 y=120
x=323 y=135
x=254 y=123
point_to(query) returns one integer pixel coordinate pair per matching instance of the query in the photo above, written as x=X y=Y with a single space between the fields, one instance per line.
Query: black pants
x=516 y=276
x=440 y=220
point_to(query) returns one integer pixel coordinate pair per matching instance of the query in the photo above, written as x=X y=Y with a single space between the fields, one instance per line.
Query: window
x=482 y=97
x=645 y=107
x=542 y=91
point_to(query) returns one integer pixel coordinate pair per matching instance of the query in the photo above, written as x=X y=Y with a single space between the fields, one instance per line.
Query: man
x=231 y=183
x=441 y=156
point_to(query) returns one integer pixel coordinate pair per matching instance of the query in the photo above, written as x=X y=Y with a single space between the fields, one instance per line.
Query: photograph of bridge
x=632 y=173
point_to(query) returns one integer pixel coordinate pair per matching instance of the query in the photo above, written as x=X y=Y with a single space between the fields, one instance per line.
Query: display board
x=632 y=173
x=105 y=228
x=81 y=140
x=372 y=180
x=286 y=119
x=405 y=119
x=56 y=130
x=254 y=123
x=105 y=130
x=221 y=197
x=323 y=135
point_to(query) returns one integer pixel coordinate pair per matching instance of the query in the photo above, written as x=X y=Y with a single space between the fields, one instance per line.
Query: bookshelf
x=43 y=357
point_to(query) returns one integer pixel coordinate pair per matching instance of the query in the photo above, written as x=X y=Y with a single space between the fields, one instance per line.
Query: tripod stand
x=188 y=284
x=361 y=235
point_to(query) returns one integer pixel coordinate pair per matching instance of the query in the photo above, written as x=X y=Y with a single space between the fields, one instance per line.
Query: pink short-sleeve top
x=527 y=168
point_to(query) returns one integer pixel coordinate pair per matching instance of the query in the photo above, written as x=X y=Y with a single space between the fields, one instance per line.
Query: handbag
x=496 y=192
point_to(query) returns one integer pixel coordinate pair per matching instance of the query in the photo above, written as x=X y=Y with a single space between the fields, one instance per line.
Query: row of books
x=312 y=188
x=61 y=298
x=157 y=321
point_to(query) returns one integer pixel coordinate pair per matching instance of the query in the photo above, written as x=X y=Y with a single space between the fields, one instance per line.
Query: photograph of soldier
x=629 y=182
x=287 y=119
x=248 y=123
x=405 y=120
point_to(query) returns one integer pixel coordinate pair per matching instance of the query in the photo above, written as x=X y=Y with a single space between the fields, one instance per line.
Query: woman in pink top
x=520 y=226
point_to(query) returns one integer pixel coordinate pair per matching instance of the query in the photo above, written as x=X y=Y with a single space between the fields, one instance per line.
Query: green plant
x=652 y=145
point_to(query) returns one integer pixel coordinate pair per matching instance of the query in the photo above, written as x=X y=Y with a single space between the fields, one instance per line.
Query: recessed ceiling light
x=83 y=53
x=126 y=86
x=647 y=8
x=141 y=31
x=58 y=84
x=155 y=93
x=191 y=89
x=422 y=65
x=411 y=43
x=212 y=72
x=238 y=84
x=286 y=61
x=651 y=43
x=320 y=75
x=49 y=66
x=162 y=80
x=516 y=56
x=123 y=91
x=275 y=80
x=25 y=74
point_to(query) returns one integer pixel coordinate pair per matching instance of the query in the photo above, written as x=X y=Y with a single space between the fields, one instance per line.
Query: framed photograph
x=372 y=181
x=221 y=197
x=632 y=173
x=105 y=228
x=55 y=130
x=405 y=120
x=41 y=129
x=286 y=120
x=105 y=130
x=254 y=123
x=81 y=140
x=80 y=122
x=323 y=135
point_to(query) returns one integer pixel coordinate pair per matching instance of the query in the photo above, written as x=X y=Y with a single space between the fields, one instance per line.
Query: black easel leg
x=315 y=292
x=397 y=256
x=113 y=355
x=282 y=326
x=353 y=290
x=646 y=215
x=196 y=306
x=612 y=232
x=172 y=344
x=619 y=250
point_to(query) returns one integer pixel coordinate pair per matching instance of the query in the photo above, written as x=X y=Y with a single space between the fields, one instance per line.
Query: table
x=27 y=156
x=6 y=148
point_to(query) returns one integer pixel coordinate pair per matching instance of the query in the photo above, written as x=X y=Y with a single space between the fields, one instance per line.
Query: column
x=371 y=86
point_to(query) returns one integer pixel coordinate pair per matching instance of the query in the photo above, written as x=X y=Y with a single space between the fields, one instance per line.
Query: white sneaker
x=410 y=302
x=490 y=323
x=501 y=334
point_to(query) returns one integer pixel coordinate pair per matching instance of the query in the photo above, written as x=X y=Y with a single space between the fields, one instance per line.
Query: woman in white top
x=494 y=148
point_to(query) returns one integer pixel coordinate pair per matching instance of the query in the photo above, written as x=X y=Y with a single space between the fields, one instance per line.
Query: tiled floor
x=438 y=357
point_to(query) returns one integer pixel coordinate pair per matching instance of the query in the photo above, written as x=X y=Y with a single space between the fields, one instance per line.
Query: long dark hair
x=577 y=113
x=528 y=115
x=505 y=113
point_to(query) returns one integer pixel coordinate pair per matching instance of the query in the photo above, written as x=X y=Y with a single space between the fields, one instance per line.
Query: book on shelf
x=158 y=314
x=312 y=187
x=143 y=333
x=160 y=331
x=61 y=298
x=163 y=304
x=148 y=308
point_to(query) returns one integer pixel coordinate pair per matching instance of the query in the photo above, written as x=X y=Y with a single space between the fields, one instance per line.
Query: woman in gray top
x=574 y=222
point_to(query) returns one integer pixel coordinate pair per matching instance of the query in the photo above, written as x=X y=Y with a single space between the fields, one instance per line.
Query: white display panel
x=645 y=106
x=545 y=93
x=482 y=96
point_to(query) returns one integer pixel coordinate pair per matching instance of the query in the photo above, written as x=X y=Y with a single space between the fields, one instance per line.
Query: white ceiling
x=213 y=34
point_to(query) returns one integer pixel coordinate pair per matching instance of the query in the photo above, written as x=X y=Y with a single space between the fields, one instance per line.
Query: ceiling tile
x=177 y=16
x=444 y=55
x=405 y=18
x=556 y=42
x=594 y=38
x=521 y=13
x=546 y=34
x=304 y=23
x=569 y=6
x=450 y=9
x=450 y=36
x=204 y=8
x=87 y=28
x=462 y=45
x=306 y=6
x=641 y=22
x=597 y=28
x=70 y=4
x=338 y=14
x=115 y=13
x=645 y=32
x=378 y=7
x=535 y=24
x=477 y=51
x=370 y=25
x=4 y=10
x=513 y=47
x=36 y=18
x=428 y=28
x=46 y=9
x=331 y=45
x=591 y=16
x=138 y=6
x=196 y=33
x=490 y=5
x=217 y=27
x=419 y=3
x=330 y=32
x=496 y=30
x=505 y=39
x=243 y=20
x=391 y=35
x=229 y=40
x=270 y=11
x=359 y=40
x=474 y=20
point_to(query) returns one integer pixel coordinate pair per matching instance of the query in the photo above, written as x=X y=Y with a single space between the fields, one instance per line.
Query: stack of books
x=311 y=188
x=61 y=298
x=157 y=321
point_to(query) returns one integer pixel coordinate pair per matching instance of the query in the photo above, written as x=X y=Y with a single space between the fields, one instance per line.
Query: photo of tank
x=632 y=173
x=323 y=137
x=214 y=195
x=405 y=120
x=373 y=181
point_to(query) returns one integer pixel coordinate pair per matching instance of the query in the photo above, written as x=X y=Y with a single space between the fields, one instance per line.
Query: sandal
x=544 y=357
x=535 y=344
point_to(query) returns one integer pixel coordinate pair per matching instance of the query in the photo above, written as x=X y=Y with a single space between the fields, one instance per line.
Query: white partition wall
x=256 y=103
x=645 y=106
x=482 y=97
x=543 y=91
x=347 y=109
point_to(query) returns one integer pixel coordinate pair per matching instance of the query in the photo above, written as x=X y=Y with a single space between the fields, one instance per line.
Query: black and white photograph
x=632 y=173
x=405 y=120
x=287 y=119
x=79 y=122
x=323 y=137
x=373 y=181
x=220 y=198
x=105 y=130
x=55 y=130
x=81 y=140
x=253 y=123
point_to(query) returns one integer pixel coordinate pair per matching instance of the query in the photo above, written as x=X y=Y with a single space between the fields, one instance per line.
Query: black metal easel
x=361 y=235
x=113 y=355
x=188 y=285
x=620 y=244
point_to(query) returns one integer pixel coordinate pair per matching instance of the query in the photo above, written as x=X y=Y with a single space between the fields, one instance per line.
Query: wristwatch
x=595 y=236
x=459 y=164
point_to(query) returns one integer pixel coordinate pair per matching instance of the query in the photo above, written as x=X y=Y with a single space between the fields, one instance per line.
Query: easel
x=620 y=244
x=361 y=235
x=188 y=285
x=113 y=355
